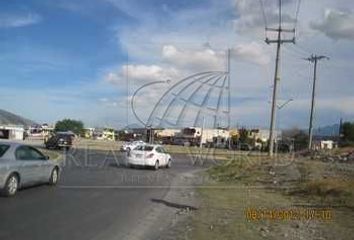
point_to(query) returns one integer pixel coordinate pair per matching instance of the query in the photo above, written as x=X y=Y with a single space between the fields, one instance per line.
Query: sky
x=84 y=59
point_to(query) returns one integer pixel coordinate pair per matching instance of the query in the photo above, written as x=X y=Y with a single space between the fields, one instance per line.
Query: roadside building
x=109 y=134
x=260 y=137
x=324 y=144
x=210 y=137
x=167 y=132
x=89 y=133
x=166 y=136
x=12 y=132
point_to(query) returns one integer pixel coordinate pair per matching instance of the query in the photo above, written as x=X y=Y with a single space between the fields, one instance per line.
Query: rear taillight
x=150 y=155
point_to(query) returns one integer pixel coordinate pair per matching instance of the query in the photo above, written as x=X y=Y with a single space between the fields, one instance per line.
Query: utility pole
x=313 y=59
x=279 y=41
x=201 y=135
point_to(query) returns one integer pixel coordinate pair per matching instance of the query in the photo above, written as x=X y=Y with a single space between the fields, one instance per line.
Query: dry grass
x=325 y=187
x=256 y=182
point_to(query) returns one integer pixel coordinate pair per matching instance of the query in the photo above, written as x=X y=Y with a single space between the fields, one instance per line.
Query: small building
x=211 y=137
x=109 y=134
x=166 y=136
x=12 y=132
x=263 y=134
x=167 y=132
x=324 y=144
x=89 y=133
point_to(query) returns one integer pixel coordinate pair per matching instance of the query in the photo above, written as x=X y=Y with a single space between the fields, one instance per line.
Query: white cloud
x=251 y=19
x=198 y=60
x=252 y=52
x=140 y=74
x=336 y=24
x=10 y=21
x=176 y=41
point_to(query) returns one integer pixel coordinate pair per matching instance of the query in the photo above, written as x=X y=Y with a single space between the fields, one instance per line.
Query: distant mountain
x=8 y=118
x=330 y=130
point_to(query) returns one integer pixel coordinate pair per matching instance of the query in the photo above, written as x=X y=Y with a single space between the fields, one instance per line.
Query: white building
x=207 y=135
x=167 y=132
x=12 y=132
x=324 y=144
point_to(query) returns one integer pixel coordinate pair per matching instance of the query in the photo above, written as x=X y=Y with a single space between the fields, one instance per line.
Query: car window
x=139 y=148
x=148 y=148
x=28 y=153
x=158 y=149
x=3 y=149
x=144 y=148
x=163 y=150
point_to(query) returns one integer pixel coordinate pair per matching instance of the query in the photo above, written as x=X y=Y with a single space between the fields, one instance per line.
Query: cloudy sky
x=83 y=59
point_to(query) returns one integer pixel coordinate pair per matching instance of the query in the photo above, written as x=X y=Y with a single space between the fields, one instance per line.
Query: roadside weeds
x=306 y=186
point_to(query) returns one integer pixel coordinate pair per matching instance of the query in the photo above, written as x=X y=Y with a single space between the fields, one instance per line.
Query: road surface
x=96 y=198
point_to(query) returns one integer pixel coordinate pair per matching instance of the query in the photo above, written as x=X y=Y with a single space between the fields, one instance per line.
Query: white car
x=131 y=145
x=149 y=156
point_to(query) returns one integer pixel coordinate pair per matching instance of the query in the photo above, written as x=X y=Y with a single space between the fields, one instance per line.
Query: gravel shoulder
x=235 y=194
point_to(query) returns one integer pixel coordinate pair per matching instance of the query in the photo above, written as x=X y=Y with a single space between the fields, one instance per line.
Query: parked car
x=149 y=156
x=23 y=165
x=60 y=140
x=245 y=147
x=126 y=147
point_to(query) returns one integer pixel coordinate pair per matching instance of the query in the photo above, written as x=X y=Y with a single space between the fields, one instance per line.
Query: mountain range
x=8 y=118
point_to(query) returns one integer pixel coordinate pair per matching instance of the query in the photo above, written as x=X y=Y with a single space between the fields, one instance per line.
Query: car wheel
x=156 y=166
x=54 y=177
x=11 y=185
x=169 y=164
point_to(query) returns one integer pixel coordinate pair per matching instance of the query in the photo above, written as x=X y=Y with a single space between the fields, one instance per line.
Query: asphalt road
x=96 y=198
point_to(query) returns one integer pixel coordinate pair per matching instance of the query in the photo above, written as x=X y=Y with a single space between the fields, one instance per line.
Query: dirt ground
x=294 y=197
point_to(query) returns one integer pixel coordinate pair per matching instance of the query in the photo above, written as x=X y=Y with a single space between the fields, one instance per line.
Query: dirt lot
x=294 y=197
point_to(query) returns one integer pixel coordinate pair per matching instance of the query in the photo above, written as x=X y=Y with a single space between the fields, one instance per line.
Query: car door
x=44 y=169
x=30 y=164
x=166 y=156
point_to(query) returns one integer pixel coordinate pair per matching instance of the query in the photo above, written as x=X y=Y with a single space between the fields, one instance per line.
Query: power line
x=263 y=12
x=293 y=53
x=297 y=12
x=298 y=50
x=302 y=49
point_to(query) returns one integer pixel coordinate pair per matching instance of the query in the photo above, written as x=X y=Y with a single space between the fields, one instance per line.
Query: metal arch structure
x=204 y=78
x=133 y=99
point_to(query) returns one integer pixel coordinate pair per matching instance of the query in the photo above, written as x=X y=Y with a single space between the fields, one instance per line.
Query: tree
x=243 y=135
x=347 y=134
x=298 y=136
x=75 y=126
x=348 y=131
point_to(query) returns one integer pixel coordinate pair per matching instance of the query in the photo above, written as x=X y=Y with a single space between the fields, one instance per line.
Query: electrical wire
x=264 y=18
x=297 y=13
x=263 y=13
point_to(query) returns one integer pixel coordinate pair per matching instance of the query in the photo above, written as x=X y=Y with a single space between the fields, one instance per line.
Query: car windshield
x=3 y=149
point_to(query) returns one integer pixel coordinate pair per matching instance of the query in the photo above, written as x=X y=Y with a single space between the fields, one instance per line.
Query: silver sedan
x=22 y=165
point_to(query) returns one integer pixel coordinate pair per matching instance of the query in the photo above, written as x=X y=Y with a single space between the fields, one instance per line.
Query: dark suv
x=60 y=141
